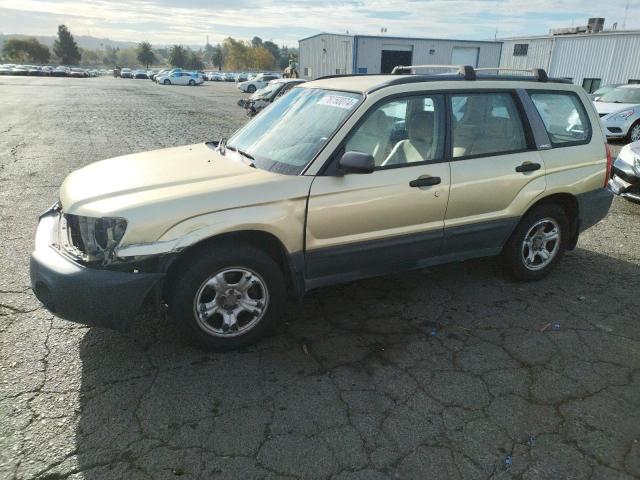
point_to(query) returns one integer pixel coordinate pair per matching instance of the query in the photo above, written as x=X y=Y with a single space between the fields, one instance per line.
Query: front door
x=393 y=218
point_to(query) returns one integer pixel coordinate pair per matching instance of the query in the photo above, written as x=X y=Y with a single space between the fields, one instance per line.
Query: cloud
x=189 y=21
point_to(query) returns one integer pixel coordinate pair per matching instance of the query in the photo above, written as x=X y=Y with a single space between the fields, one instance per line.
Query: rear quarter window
x=564 y=117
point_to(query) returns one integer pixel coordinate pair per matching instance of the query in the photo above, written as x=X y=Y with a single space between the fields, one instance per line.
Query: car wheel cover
x=635 y=133
x=231 y=302
x=541 y=244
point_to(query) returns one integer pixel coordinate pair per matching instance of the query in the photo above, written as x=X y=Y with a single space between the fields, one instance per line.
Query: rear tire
x=634 y=132
x=532 y=252
x=227 y=297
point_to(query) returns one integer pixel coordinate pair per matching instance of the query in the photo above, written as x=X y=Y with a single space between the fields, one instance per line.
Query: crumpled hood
x=155 y=190
x=157 y=170
x=605 y=108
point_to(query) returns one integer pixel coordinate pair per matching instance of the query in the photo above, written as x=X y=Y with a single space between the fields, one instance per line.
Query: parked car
x=274 y=90
x=602 y=90
x=181 y=78
x=257 y=83
x=215 y=77
x=5 y=69
x=153 y=76
x=229 y=77
x=625 y=178
x=342 y=179
x=78 y=73
x=140 y=74
x=61 y=72
x=126 y=73
x=20 y=70
x=620 y=112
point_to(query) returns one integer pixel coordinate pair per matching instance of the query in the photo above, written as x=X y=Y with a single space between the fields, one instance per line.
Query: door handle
x=528 y=167
x=425 y=182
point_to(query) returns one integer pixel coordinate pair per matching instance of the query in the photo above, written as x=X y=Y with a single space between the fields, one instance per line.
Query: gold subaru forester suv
x=343 y=178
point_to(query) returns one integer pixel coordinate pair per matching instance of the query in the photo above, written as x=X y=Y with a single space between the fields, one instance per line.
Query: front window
x=285 y=137
x=622 y=95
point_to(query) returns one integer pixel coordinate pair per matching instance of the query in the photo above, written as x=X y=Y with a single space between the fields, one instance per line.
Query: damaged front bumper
x=625 y=182
x=90 y=296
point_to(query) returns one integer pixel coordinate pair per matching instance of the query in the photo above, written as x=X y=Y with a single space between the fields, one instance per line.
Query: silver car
x=619 y=112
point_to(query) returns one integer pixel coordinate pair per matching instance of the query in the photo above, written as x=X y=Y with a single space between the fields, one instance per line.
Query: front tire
x=538 y=243
x=227 y=297
x=192 y=83
x=167 y=82
x=251 y=89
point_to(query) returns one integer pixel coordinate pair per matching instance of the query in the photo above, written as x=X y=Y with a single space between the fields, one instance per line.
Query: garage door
x=465 y=56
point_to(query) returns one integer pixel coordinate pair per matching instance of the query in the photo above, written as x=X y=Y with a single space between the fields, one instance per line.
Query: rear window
x=564 y=117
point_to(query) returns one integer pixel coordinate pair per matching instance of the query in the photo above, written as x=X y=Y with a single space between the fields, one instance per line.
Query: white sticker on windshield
x=338 y=101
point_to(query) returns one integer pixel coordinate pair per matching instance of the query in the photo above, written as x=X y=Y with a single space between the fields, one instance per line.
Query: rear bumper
x=89 y=296
x=592 y=207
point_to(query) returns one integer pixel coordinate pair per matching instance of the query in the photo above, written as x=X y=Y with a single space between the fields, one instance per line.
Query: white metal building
x=331 y=54
x=588 y=59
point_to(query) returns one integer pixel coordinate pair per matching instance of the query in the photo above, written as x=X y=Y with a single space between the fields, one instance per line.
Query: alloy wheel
x=231 y=302
x=541 y=244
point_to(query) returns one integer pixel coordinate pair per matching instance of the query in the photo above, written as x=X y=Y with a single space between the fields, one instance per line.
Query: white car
x=257 y=83
x=180 y=78
x=215 y=77
x=619 y=112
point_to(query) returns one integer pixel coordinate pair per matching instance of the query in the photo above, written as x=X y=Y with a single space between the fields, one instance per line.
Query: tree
x=273 y=49
x=65 y=47
x=194 y=62
x=261 y=59
x=178 y=56
x=110 y=57
x=90 y=57
x=256 y=41
x=145 y=54
x=217 y=56
x=26 y=50
x=126 y=57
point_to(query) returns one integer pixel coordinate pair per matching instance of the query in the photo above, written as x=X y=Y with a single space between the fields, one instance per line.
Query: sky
x=165 y=22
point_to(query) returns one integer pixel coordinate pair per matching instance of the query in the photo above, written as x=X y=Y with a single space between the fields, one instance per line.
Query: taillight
x=609 y=164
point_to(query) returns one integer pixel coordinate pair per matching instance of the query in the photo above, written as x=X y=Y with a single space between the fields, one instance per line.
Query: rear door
x=496 y=170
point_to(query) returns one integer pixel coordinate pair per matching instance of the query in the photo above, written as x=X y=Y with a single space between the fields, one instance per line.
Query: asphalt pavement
x=442 y=373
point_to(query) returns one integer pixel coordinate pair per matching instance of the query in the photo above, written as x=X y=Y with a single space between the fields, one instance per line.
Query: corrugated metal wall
x=425 y=52
x=613 y=58
x=537 y=56
x=325 y=54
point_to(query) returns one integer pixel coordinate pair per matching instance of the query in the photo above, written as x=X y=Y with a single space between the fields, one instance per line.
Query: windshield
x=622 y=95
x=285 y=137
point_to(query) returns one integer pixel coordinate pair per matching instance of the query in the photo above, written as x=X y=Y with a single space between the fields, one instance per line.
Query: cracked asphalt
x=435 y=374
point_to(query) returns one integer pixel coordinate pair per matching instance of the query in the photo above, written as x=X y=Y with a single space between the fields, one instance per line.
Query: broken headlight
x=91 y=239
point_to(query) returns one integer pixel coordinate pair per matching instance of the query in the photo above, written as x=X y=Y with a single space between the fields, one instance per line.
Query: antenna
x=626 y=12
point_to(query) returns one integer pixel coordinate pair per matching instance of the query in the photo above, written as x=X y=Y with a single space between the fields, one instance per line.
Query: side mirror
x=356 y=162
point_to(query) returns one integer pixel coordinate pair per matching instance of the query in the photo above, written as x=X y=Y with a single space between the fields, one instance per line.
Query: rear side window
x=564 y=117
x=486 y=124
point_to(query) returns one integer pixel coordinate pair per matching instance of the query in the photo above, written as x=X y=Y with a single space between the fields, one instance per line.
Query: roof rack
x=539 y=74
x=465 y=71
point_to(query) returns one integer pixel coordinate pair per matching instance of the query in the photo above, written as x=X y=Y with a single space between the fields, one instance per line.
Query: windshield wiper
x=222 y=145
x=246 y=155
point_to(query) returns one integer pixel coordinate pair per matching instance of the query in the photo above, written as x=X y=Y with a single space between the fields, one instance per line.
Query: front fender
x=284 y=220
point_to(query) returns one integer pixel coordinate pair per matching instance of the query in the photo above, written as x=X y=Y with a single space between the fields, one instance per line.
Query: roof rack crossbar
x=539 y=74
x=466 y=71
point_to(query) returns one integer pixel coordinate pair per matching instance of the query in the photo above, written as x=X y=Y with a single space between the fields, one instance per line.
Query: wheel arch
x=569 y=203
x=289 y=263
